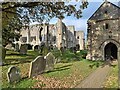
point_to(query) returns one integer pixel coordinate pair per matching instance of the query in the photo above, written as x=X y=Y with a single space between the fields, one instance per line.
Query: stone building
x=58 y=35
x=35 y=34
x=80 y=40
x=103 y=39
x=61 y=35
x=71 y=36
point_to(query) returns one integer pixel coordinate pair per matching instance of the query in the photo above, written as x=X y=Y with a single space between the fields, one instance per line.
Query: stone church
x=103 y=39
x=58 y=35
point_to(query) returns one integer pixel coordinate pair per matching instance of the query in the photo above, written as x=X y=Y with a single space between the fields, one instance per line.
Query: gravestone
x=37 y=66
x=23 y=49
x=50 y=60
x=9 y=46
x=3 y=54
x=13 y=74
x=17 y=47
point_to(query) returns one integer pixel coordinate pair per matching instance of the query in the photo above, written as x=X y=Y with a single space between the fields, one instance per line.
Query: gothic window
x=78 y=37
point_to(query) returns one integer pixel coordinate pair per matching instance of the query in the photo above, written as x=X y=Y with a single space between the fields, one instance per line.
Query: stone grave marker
x=9 y=46
x=13 y=74
x=37 y=66
x=23 y=49
x=17 y=47
x=50 y=60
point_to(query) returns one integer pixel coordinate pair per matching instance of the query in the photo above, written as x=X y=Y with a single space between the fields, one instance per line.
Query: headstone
x=9 y=46
x=50 y=60
x=13 y=74
x=3 y=54
x=23 y=49
x=17 y=47
x=37 y=66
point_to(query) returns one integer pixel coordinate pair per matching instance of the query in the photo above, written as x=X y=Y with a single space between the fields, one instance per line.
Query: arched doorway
x=110 y=51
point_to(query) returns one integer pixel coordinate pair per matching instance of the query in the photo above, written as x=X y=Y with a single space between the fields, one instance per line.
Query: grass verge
x=112 y=79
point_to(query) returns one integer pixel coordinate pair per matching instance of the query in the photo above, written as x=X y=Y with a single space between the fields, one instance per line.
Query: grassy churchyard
x=112 y=79
x=67 y=73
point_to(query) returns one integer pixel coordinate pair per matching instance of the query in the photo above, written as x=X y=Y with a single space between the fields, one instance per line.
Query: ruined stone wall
x=80 y=39
x=58 y=35
x=71 y=36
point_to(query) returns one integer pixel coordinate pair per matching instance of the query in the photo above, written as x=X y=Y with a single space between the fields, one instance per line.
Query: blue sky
x=81 y=24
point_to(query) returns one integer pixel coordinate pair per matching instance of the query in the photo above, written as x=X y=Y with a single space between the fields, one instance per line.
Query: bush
x=65 y=56
x=68 y=55
x=83 y=53
x=29 y=47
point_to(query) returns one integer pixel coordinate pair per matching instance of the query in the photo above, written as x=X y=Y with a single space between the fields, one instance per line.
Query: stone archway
x=107 y=42
x=110 y=51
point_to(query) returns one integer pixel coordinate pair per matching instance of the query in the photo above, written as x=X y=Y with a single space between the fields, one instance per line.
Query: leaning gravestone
x=50 y=59
x=23 y=49
x=13 y=74
x=17 y=47
x=37 y=66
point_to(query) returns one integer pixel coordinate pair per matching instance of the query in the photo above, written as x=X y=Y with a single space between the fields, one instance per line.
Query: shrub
x=83 y=53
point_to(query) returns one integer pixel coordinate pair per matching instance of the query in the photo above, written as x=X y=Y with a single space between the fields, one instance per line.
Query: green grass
x=71 y=72
x=25 y=82
x=74 y=71
x=21 y=61
x=14 y=57
x=112 y=79
x=68 y=56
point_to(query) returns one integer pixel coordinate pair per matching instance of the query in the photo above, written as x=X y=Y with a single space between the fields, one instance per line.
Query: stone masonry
x=58 y=35
x=103 y=39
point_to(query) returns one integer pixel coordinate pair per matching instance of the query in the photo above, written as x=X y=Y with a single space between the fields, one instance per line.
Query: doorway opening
x=110 y=51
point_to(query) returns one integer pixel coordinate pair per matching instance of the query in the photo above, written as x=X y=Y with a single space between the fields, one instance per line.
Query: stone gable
x=107 y=10
x=103 y=29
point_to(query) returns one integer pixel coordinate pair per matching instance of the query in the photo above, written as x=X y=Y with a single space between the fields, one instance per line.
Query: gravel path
x=96 y=79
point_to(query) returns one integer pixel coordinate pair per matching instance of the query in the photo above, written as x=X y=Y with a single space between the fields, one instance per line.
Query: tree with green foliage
x=17 y=14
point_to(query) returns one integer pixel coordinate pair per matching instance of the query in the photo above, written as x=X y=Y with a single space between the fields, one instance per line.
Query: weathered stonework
x=103 y=39
x=80 y=40
x=58 y=35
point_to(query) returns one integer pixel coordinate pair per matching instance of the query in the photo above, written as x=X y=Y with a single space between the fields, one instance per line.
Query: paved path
x=96 y=79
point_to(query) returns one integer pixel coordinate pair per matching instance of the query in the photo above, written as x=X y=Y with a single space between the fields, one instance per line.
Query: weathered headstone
x=37 y=66
x=16 y=47
x=3 y=54
x=23 y=49
x=50 y=60
x=9 y=46
x=13 y=74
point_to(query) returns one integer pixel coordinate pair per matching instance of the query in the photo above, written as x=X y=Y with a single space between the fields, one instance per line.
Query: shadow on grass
x=21 y=62
x=20 y=59
x=57 y=70
x=64 y=66
x=17 y=54
x=13 y=61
